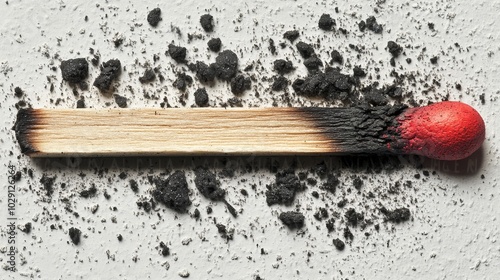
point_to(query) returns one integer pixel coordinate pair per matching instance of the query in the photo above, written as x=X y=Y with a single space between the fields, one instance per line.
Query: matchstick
x=445 y=131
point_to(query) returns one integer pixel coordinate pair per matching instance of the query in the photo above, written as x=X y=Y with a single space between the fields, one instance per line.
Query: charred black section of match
x=360 y=130
x=26 y=120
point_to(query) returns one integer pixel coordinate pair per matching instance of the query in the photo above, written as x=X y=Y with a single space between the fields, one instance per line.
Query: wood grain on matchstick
x=207 y=131
x=446 y=130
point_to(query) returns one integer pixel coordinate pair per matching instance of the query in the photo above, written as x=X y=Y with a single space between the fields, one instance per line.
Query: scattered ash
x=280 y=83
x=90 y=192
x=226 y=65
x=205 y=73
x=326 y=22
x=183 y=81
x=74 y=235
x=18 y=92
x=225 y=233
x=272 y=47
x=173 y=192
x=397 y=215
x=209 y=187
x=80 y=103
x=48 y=184
x=283 y=191
x=240 y=84
x=329 y=85
x=336 y=57
x=339 y=244
x=370 y=24
x=164 y=250
x=75 y=70
x=201 y=97
x=121 y=101
x=134 y=185
x=154 y=17
x=394 y=48
x=177 y=53
x=215 y=44
x=207 y=22
x=110 y=71
x=313 y=64
x=305 y=50
x=148 y=76
x=26 y=228
x=283 y=66
x=291 y=35
x=301 y=70
x=292 y=220
x=353 y=218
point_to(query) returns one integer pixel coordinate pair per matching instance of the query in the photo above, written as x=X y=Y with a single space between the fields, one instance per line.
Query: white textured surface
x=454 y=231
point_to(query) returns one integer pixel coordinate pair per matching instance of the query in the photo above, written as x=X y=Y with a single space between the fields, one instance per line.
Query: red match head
x=445 y=131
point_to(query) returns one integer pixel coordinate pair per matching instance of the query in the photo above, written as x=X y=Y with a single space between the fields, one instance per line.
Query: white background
x=454 y=229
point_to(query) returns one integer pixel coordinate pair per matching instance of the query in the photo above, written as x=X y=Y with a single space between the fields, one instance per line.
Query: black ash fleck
x=207 y=22
x=110 y=71
x=201 y=97
x=215 y=44
x=173 y=192
x=293 y=220
x=75 y=70
x=326 y=22
x=154 y=17
x=74 y=235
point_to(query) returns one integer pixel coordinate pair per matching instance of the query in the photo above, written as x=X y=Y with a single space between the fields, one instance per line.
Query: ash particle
x=208 y=185
x=48 y=183
x=80 y=103
x=371 y=24
x=148 y=76
x=183 y=81
x=326 y=22
x=214 y=44
x=291 y=35
x=283 y=66
x=394 y=48
x=207 y=22
x=226 y=65
x=173 y=192
x=177 y=53
x=305 y=50
x=154 y=17
x=204 y=73
x=397 y=215
x=74 y=235
x=201 y=97
x=18 y=92
x=336 y=57
x=121 y=101
x=284 y=189
x=280 y=83
x=110 y=70
x=339 y=244
x=239 y=84
x=292 y=219
x=75 y=70
x=133 y=185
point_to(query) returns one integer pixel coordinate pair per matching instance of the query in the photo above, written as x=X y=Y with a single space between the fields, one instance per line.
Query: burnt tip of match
x=26 y=119
x=446 y=130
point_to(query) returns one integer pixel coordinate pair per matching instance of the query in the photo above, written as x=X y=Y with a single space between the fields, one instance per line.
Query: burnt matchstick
x=445 y=131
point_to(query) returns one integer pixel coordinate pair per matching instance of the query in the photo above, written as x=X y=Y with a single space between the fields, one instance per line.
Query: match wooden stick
x=446 y=130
